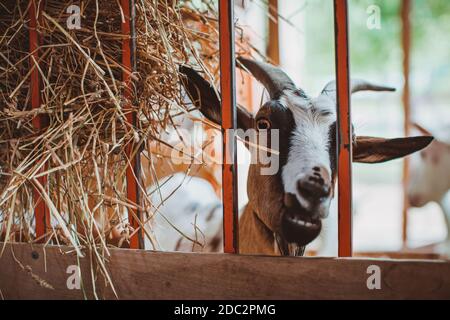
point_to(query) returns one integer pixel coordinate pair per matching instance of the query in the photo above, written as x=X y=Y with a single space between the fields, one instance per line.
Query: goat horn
x=356 y=85
x=273 y=79
x=421 y=129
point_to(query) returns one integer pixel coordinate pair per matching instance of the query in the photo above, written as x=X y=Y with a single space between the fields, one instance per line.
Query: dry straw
x=81 y=149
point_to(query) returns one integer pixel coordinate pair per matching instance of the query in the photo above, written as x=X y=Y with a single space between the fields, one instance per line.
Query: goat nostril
x=317 y=169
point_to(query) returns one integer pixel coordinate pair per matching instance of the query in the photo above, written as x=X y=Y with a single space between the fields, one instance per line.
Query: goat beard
x=288 y=248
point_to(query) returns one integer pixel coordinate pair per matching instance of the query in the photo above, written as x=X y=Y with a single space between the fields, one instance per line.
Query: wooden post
x=344 y=131
x=133 y=168
x=406 y=99
x=41 y=212
x=273 y=44
x=228 y=104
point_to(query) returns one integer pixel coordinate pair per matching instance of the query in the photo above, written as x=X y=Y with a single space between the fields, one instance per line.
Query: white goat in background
x=430 y=180
x=188 y=215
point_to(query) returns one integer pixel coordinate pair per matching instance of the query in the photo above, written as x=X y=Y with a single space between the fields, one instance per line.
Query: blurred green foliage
x=377 y=52
x=377 y=49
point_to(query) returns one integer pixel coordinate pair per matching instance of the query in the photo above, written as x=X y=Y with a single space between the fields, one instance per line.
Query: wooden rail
x=228 y=103
x=344 y=128
x=41 y=211
x=138 y=274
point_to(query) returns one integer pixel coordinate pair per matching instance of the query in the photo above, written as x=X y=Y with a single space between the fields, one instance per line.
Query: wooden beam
x=138 y=274
x=134 y=167
x=344 y=128
x=41 y=212
x=228 y=102
x=406 y=99
x=273 y=43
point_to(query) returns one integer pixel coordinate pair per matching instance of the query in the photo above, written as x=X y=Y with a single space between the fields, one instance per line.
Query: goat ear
x=201 y=93
x=204 y=97
x=376 y=150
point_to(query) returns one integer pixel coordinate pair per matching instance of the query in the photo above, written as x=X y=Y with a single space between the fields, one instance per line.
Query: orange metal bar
x=133 y=169
x=344 y=131
x=228 y=100
x=406 y=46
x=41 y=212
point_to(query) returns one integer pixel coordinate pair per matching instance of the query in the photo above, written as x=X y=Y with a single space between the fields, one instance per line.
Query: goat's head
x=429 y=172
x=291 y=203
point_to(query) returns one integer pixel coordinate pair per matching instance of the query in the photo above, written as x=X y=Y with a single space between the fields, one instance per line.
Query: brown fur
x=254 y=236
x=263 y=213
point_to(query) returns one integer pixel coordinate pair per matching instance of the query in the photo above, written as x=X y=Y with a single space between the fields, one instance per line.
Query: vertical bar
x=41 y=212
x=273 y=45
x=344 y=131
x=133 y=169
x=406 y=46
x=228 y=101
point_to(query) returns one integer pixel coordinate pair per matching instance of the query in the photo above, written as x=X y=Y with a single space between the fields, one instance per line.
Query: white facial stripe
x=309 y=142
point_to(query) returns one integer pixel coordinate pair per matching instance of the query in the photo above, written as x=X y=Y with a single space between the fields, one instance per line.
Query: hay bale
x=81 y=148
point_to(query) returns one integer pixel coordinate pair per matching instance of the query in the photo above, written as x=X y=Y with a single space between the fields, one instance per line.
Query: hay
x=81 y=148
x=77 y=161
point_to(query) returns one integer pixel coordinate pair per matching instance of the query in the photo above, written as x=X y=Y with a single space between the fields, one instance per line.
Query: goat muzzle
x=298 y=225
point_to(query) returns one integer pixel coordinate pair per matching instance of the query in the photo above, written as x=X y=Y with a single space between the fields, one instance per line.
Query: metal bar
x=273 y=45
x=344 y=131
x=406 y=47
x=133 y=169
x=228 y=101
x=41 y=212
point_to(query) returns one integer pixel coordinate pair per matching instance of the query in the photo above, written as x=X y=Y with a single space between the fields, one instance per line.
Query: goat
x=285 y=209
x=429 y=180
x=189 y=216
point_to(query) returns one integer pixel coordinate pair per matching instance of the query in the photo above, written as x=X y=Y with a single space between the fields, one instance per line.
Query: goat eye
x=263 y=124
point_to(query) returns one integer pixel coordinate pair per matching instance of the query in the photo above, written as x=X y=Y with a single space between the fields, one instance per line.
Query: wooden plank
x=139 y=274
x=229 y=120
x=344 y=123
x=399 y=255
x=133 y=169
x=406 y=100
x=41 y=212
